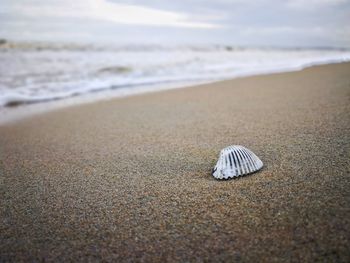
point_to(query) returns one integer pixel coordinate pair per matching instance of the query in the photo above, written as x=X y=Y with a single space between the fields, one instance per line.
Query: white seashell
x=236 y=161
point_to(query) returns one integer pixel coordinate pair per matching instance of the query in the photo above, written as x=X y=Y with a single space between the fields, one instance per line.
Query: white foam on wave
x=30 y=76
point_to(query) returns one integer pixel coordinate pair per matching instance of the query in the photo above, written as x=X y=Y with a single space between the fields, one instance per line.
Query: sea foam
x=32 y=74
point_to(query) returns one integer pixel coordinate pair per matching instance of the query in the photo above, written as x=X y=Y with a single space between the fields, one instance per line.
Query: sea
x=39 y=73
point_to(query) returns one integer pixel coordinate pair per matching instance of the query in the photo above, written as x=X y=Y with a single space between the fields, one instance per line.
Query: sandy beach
x=128 y=180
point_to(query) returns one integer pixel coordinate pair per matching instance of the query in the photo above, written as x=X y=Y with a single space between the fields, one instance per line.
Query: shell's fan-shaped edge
x=234 y=161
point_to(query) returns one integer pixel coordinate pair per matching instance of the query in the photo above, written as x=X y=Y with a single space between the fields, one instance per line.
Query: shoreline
x=13 y=114
x=129 y=179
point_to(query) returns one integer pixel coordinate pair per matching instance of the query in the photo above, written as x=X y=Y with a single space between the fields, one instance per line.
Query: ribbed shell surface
x=236 y=161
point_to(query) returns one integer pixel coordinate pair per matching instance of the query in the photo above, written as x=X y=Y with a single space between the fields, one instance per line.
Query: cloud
x=108 y=11
x=133 y=14
x=310 y=4
x=241 y=22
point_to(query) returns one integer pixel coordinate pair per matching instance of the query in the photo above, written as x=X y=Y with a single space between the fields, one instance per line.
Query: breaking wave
x=32 y=74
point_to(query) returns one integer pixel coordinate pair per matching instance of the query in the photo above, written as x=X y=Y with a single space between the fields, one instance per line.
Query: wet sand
x=129 y=179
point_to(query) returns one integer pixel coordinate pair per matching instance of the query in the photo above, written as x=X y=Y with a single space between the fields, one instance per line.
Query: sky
x=281 y=23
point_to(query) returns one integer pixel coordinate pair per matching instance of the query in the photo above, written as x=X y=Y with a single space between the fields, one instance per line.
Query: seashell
x=234 y=161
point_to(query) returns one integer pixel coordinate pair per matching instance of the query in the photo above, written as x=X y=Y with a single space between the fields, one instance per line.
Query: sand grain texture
x=129 y=179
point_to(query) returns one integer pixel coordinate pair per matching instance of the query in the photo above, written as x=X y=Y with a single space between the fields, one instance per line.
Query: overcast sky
x=232 y=22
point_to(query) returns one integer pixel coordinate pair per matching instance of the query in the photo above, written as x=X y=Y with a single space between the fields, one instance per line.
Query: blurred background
x=57 y=49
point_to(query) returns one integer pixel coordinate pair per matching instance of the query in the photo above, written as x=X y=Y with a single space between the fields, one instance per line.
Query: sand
x=129 y=179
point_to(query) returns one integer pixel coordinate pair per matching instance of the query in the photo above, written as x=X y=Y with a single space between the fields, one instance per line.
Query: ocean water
x=33 y=73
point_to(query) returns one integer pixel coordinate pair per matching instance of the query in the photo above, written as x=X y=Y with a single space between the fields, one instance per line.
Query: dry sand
x=129 y=179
